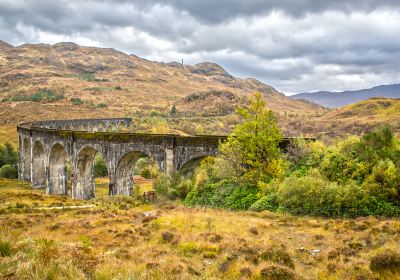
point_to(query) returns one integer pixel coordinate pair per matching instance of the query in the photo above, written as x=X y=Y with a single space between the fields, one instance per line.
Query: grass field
x=8 y=133
x=46 y=237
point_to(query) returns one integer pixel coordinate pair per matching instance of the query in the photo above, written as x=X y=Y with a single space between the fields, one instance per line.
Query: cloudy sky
x=295 y=46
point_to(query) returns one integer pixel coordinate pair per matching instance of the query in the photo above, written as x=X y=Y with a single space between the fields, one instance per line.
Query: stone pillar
x=30 y=159
x=20 y=162
x=169 y=160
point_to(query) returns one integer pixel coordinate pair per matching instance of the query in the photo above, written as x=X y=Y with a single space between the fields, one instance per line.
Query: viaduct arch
x=45 y=148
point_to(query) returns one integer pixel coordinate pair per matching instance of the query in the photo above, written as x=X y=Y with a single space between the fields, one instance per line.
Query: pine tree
x=173 y=110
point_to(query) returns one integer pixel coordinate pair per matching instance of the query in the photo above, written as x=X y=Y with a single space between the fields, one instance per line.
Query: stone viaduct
x=47 y=149
x=60 y=153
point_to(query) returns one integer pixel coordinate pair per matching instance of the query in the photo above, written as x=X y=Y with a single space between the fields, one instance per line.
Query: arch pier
x=59 y=153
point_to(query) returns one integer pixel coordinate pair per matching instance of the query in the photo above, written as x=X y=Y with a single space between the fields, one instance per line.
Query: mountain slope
x=338 y=99
x=374 y=110
x=104 y=82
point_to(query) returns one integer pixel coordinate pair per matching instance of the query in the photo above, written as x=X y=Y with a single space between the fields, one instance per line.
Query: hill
x=65 y=80
x=353 y=119
x=73 y=81
x=371 y=111
x=338 y=99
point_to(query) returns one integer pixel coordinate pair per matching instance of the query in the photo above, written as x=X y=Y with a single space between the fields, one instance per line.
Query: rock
x=301 y=249
x=150 y=214
x=314 y=252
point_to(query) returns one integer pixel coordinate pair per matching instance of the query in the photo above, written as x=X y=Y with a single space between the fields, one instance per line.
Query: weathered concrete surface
x=47 y=147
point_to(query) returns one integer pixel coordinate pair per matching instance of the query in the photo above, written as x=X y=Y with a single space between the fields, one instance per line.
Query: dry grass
x=121 y=238
x=8 y=133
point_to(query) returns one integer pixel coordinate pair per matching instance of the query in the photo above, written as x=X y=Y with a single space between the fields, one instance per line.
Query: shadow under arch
x=83 y=185
x=38 y=165
x=26 y=150
x=188 y=168
x=124 y=173
x=57 y=170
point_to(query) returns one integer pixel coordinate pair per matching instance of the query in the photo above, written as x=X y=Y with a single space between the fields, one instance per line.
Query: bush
x=145 y=173
x=100 y=167
x=47 y=95
x=8 y=171
x=385 y=261
x=39 y=96
x=224 y=194
x=384 y=181
x=306 y=195
x=8 y=155
x=76 y=101
x=173 y=186
x=314 y=195
x=5 y=248
x=147 y=168
x=102 y=105
x=267 y=202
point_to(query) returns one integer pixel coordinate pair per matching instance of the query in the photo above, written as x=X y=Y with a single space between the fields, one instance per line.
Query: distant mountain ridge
x=337 y=99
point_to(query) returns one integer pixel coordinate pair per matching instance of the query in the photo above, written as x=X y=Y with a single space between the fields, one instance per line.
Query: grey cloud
x=216 y=11
x=293 y=45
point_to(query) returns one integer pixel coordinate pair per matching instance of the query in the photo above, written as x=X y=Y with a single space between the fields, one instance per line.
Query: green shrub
x=76 y=101
x=102 y=105
x=145 y=173
x=140 y=164
x=162 y=184
x=384 y=180
x=267 y=202
x=39 y=96
x=8 y=155
x=224 y=194
x=5 y=248
x=8 y=171
x=147 y=168
x=306 y=195
x=46 y=95
x=338 y=166
x=314 y=195
x=173 y=186
x=100 y=167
